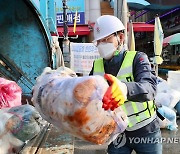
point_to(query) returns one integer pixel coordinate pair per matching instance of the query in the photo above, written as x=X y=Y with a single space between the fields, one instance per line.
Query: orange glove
x=115 y=95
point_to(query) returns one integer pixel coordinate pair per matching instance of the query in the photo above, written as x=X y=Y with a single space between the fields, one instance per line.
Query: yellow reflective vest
x=139 y=113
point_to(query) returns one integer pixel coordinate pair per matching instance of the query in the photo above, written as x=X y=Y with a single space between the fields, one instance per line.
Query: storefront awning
x=80 y=30
x=138 y=27
x=143 y=27
x=84 y=29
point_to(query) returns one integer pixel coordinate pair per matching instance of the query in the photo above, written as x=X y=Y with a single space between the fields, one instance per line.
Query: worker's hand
x=115 y=95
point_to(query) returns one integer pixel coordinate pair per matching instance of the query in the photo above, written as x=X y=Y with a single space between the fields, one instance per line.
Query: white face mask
x=106 y=50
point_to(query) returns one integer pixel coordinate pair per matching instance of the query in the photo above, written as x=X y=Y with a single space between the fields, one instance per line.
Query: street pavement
x=170 y=146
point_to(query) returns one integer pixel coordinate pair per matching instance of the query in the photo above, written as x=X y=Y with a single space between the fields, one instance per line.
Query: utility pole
x=65 y=19
x=118 y=8
x=121 y=11
x=66 y=42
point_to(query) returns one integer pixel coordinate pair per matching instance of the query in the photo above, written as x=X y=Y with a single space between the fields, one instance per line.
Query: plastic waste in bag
x=166 y=99
x=74 y=105
x=166 y=95
x=163 y=99
x=170 y=118
x=18 y=125
x=10 y=93
x=175 y=97
x=162 y=85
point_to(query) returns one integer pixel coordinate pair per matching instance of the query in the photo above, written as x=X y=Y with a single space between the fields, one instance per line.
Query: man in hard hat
x=132 y=86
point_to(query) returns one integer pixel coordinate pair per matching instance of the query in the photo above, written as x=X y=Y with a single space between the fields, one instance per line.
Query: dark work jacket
x=142 y=89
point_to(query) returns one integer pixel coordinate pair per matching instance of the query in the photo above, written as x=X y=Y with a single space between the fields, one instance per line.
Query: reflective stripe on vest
x=126 y=69
x=136 y=111
x=98 y=67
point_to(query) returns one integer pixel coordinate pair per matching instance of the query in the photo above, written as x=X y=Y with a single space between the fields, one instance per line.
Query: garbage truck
x=26 y=48
x=26 y=42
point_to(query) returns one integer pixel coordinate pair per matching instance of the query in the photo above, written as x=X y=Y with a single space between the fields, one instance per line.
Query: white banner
x=82 y=57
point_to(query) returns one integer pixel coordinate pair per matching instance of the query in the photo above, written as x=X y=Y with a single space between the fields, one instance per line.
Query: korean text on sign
x=82 y=57
x=70 y=18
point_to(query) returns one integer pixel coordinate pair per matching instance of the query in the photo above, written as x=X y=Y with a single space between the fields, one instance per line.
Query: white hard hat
x=106 y=25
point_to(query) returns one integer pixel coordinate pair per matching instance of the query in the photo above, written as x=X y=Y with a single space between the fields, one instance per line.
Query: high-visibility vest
x=139 y=113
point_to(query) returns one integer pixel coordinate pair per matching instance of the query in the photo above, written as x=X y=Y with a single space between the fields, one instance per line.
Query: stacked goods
x=74 y=104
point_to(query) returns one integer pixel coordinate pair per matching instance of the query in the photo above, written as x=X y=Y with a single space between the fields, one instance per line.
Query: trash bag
x=165 y=95
x=74 y=105
x=166 y=99
x=10 y=93
x=163 y=98
x=28 y=122
x=170 y=118
x=162 y=85
x=175 y=98
x=18 y=125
